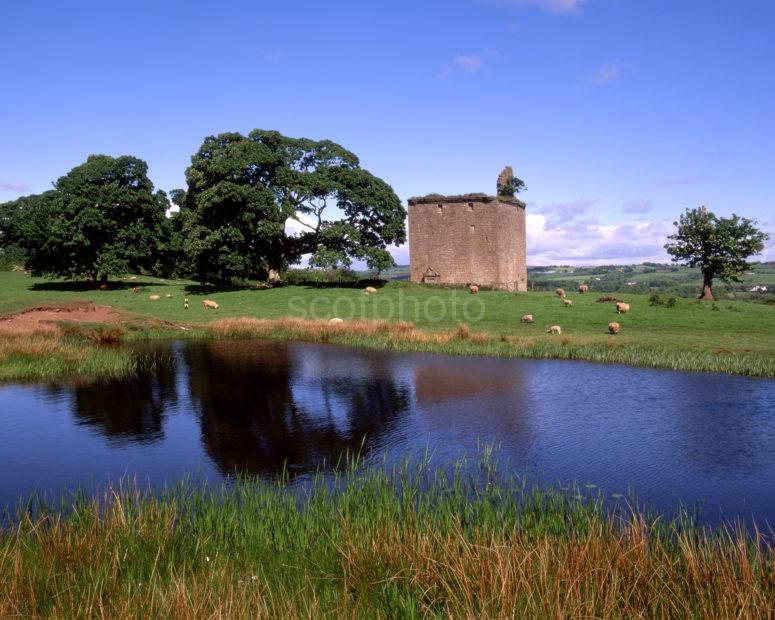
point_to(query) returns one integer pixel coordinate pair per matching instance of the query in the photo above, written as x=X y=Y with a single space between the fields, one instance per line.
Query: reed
x=404 y=336
x=411 y=541
x=49 y=355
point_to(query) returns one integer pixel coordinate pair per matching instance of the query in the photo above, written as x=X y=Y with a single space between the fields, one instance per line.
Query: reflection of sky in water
x=248 y=406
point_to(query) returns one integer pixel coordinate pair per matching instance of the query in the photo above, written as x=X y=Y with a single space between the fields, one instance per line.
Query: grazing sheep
x=209 y=303
x=153 y=297
x=135 y=290
x=474 y=289
x=567 y=302
x=583 y=289
x=370 y=290
x=622 y=308
x=613 y=328
x=168 y=295
x=554 y=329
x=133 y=278
x=560 y=292
x=185 y=303
x=527 y=318
x=335 y=321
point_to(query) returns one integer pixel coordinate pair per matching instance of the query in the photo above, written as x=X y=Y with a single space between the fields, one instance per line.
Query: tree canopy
x=102 y=218
x=719 y=246
x=242 y=191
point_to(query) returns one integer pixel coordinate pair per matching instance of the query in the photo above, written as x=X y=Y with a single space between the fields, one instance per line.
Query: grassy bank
x=384 y=335
x=411 y=543
x=735 y=337
x=41 y=356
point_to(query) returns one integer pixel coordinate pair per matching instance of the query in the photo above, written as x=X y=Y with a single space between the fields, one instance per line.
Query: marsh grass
x=49 y=355
x=404 y=336
x=413 y=541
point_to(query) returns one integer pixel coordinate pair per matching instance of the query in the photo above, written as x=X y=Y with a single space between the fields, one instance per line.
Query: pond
x=208 y=409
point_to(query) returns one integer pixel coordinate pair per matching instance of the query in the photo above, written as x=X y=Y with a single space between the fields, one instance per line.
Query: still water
x=213 y=408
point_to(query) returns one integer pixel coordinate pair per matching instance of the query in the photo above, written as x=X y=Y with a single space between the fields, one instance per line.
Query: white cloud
x=293 y=226
x=637 y=206
x=682 y=182
x=14 y=186
x=590 y=242
x=558 y=213
x=610 y=72
x=468 y=64
x=557 y=7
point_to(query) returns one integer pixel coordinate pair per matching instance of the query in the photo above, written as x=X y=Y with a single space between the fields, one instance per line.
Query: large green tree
x=11 y=213
x=242 y=190
x=719 y=246
x=102 y=218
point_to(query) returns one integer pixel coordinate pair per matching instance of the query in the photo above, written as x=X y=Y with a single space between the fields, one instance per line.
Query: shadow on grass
x=78 y=286
x=204 y=289
x=352 y=284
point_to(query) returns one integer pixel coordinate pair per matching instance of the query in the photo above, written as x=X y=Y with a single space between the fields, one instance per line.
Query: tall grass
x=411 y=542
x=404 y=336
x=49 y=355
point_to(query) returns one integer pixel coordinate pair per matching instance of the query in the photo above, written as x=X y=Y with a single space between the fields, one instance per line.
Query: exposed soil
x=44 y=318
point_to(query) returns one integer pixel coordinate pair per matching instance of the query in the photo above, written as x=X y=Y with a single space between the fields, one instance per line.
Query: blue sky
x=618 y=114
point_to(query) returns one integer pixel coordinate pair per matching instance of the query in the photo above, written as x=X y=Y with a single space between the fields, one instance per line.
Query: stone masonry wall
x=480 y=241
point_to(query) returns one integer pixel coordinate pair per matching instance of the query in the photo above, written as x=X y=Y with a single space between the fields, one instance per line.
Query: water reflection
x=259 y=412
x=127 y=411
x=212 y=408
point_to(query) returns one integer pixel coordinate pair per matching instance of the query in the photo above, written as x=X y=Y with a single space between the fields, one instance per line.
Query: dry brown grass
x=323 y=331
x=41 y=344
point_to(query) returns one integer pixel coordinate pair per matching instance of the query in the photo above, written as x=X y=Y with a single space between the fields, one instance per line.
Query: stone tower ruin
x=469 y=239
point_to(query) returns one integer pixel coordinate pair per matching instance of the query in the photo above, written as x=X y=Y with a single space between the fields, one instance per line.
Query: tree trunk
x=274 y=275
x=707 y=287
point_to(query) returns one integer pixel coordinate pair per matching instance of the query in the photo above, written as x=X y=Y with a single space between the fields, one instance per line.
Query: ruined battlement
x=469 y=239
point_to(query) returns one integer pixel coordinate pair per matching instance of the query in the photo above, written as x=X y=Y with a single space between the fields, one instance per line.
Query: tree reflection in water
x=128 y=411
x=265 y=405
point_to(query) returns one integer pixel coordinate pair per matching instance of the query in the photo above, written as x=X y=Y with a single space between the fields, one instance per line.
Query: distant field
x=653 y=278
x=647 y=279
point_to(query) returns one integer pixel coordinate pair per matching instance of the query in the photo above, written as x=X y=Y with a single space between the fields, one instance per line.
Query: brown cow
x=209 y=304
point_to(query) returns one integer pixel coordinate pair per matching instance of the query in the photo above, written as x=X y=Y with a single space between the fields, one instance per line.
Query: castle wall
x=468 y=242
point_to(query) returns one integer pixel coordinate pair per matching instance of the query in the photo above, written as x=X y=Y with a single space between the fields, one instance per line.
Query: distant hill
x=648 y=278
x=652 y=278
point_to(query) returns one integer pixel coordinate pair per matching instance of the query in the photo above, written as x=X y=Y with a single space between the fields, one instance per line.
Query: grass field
x=730 y=336
x=408 y=543
x=651 y=278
